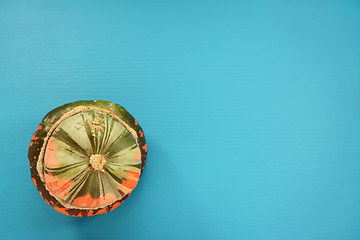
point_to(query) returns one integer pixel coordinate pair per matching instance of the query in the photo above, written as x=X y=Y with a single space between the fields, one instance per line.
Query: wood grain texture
x=251 y=113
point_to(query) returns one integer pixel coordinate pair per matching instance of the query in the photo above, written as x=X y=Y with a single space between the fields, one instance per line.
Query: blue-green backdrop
x=251 y=111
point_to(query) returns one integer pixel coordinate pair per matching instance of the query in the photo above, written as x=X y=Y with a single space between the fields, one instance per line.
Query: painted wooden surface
x=251 y=112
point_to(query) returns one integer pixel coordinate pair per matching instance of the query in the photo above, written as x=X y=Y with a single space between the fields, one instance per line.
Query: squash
x=86 y=157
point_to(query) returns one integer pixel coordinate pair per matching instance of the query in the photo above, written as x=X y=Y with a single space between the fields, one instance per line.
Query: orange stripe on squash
x=145 y=148
x=134 y=174
x=61 y=210
x=51 y=160
x=47 y=201
x=32 y=143
x=138 y=154
x=129 y=183
x=58 y=187
x=90 y=213
x=101 y=211
x=34 y=135
x=34 y=181
x=115 y=205
x=88 y=201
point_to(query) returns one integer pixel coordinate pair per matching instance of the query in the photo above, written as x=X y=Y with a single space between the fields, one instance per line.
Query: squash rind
x=42 y=131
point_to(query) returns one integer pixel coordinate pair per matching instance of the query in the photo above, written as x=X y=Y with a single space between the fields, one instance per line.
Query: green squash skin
x=37 y=142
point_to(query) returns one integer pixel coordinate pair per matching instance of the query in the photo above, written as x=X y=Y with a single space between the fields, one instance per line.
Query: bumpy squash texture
x=86 y=157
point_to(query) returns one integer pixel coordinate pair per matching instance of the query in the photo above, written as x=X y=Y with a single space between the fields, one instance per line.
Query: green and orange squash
x=86 y=157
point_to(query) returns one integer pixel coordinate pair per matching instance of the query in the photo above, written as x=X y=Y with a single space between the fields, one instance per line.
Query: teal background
x=251 y=111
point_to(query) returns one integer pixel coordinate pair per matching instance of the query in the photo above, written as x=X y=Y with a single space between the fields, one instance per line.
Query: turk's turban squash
x=86 y=157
